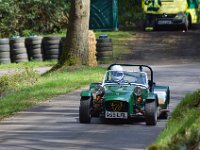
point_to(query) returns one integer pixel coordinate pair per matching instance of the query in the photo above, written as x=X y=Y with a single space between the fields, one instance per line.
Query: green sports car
x=126 y=91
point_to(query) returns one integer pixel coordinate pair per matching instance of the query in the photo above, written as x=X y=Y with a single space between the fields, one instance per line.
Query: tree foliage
x=26 y=17
x=130 y=13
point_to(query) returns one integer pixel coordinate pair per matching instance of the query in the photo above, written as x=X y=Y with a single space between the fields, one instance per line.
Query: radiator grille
x=116 y=106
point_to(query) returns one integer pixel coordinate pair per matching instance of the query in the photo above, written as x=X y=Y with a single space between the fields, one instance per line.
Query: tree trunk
x=76 y=44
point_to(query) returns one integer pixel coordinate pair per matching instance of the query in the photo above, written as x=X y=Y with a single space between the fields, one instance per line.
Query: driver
x=117 y=73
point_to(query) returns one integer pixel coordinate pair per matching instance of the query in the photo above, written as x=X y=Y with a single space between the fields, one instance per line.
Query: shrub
x=27 y=17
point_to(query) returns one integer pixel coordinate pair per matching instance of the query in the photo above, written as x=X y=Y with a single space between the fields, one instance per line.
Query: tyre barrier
x=18 y=50
x=51 y=47
x=5 y=51
x=34 y=48
x=104 y=48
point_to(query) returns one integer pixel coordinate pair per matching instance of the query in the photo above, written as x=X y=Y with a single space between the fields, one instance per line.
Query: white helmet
x=117 y=73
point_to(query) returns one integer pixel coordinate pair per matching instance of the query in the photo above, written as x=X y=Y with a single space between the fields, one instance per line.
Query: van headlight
x=180 y=15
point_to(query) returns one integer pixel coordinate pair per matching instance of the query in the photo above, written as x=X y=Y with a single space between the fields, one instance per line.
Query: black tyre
x=105 y=54
x=104 y=50
x=104 y=40
x=51 y=40
x=52 y=57
x=52 y=46
x=50 y=52
x=164 y=115
x=35 y=46
x=151 y=113
x=104 y=44
x=35 y=51
x=5 y=61
x=36 y=57
x=4 y=48
x=21 y=60
x=85 y=111
x=34 y=40
x=4 y=54
x=17 y=40
x=18 y=51
x=4 y=41
x=100 y=49
x=146 y=24
x=18 y=45
x=186 y=25
x=21 y=56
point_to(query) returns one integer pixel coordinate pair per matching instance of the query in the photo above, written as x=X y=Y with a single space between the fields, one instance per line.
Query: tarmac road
x=54 y=125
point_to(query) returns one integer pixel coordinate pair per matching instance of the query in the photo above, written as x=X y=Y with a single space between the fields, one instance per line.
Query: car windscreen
x=126 y=77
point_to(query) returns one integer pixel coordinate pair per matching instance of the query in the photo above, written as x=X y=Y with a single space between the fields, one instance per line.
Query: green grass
x=28 y=64
x=182 y=129
x=47 y=86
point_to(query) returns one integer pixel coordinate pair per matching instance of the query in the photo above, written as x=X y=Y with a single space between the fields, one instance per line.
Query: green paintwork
x=163 y=88
x=118 y=92
x=124 y=93
x=151 y=96
x=104 y=15
x=86 y=93
x=94 y=84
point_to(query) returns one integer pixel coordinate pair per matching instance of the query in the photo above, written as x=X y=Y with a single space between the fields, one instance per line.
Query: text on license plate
x=121 y=115
x=164 y=22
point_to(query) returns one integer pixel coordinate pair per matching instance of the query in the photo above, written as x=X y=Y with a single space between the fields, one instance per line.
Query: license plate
x=120 y=115
x=161 y=22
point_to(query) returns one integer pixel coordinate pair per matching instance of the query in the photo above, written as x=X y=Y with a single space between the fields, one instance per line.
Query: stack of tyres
x=5 y=51
x=104 y=48
x=51 y=47
x=18 y=50
x=34 y=48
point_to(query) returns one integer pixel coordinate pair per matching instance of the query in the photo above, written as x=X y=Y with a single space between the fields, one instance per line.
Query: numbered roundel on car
x=138 y=91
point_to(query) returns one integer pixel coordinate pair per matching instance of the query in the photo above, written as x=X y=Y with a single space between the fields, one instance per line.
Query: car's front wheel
x=151 y=113
x=85 y=111
x=186 y=24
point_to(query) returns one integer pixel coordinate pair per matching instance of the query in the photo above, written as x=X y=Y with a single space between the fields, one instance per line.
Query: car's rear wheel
x=151 y=113
x=165 y=114
x=85 y=111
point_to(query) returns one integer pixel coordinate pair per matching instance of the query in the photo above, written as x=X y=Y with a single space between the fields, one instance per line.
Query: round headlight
x=138 y=91
x=99 y=90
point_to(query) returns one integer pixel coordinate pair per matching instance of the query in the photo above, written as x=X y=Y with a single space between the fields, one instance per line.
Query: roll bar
x=140 y=68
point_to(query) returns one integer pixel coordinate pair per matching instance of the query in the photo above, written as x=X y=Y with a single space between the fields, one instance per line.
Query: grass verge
x=182 y=130
x=25 y=94
x=29 y=64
